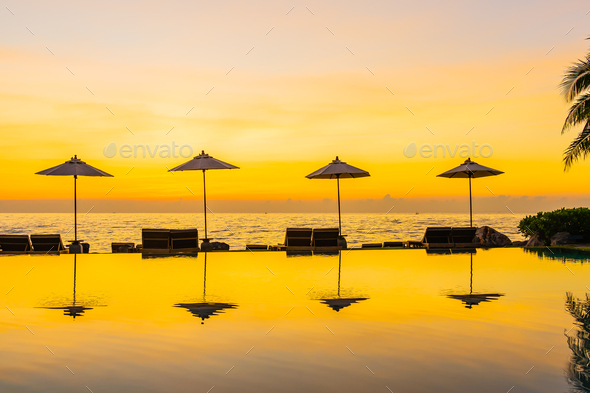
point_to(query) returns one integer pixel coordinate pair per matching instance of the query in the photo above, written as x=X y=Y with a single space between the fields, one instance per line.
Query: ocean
x=101 y=229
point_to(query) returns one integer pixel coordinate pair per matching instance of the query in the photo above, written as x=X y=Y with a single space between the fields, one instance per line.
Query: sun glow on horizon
x=283 y=102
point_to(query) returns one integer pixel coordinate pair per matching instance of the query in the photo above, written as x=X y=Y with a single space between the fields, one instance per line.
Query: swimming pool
x=375 y=320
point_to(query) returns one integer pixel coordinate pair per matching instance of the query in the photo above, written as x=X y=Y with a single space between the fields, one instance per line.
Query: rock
x=489 y=237
x=561 y=238
x=535 y=241
x=213 y=246
x=519 y=243
x=220 y=246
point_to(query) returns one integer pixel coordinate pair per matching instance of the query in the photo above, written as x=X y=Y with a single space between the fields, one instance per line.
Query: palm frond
x=579 y=148
x=579 y=112
x=578 y=368
x=576 y=80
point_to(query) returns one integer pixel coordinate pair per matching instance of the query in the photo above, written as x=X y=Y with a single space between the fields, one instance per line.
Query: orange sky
x=316 y=86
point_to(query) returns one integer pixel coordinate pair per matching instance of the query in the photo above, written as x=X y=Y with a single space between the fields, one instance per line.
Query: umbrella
x=73 y=310
x=338 y=303
x=203 y=162
x=473 y=299
x=74 y=167
x=204 y=309
x=336 y=170
x=470 y=169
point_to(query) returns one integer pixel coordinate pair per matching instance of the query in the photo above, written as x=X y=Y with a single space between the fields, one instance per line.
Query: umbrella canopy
x=206 y=310
x=203 y=162
x=339 y=304
x=470 y=169
x=338 y=170
x=473 y=299
x=74 y=167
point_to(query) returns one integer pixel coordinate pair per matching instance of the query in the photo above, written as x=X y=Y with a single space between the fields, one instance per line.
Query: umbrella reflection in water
x=337 y=303
x=473 y=299
x=204 y=309
x=73 y=310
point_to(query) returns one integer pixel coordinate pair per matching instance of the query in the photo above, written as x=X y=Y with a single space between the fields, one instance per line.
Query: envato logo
x=464 y=150
x=164 y=150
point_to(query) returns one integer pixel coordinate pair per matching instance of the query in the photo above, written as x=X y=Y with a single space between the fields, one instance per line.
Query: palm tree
x=578 y=368
x=575 y=88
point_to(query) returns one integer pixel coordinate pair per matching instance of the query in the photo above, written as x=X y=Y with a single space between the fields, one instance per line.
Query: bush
x=576 y=221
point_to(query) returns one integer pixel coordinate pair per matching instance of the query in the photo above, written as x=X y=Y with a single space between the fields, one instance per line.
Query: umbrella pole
x=470 y=205
x=205 y=203
x=205 y=279
x=339 y=219
x=339 y=269
x=75 y=212
x=471 y=276
x=74 y=301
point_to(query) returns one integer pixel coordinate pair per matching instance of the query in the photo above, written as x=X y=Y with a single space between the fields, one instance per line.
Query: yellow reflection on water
x=270 y=322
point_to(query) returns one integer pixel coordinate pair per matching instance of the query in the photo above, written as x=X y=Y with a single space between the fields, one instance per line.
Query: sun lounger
x=256 y=247
x=438 y=237
x=47 y=244
x=15 y=244
x=122 y=247
x=393 y=244
x=325 y=240
x=413 y=244
x=372 y=245
x=184 y=241
x=463 y=237
x=155 y=241
x=446 y=238
x=298 y=240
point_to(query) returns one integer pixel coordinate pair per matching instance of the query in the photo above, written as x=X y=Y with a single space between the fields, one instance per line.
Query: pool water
x=365 y=321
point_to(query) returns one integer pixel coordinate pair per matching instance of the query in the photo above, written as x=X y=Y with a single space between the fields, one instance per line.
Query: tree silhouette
x=578 y=369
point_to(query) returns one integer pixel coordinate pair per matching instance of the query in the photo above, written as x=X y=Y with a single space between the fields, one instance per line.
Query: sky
x=280 y=89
